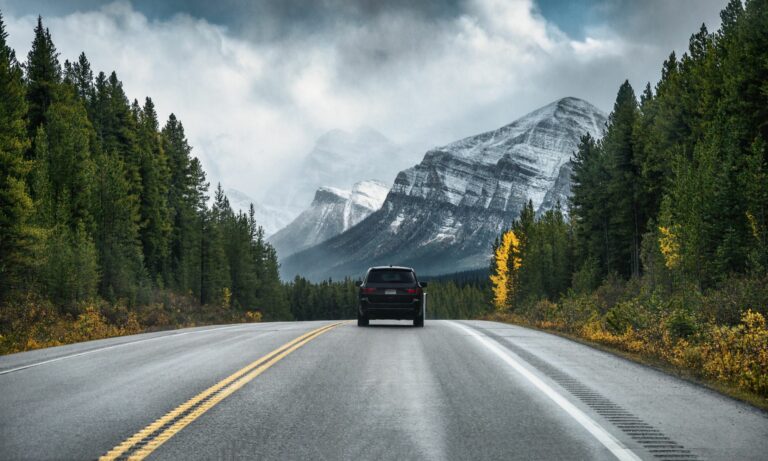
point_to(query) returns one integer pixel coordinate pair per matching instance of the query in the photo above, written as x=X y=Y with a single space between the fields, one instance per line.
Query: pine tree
x=43 y=76
x=712 y=205
x=82 y=79
x=215 y=268
x=626 y=222
x=275 y=303
x=117 y=128
x=184 y=205
x=155 y=178
x=70 y=165
x=16 y=206
x=590 y=215
x=755 y=179
x=70 y=272
x=117 y=238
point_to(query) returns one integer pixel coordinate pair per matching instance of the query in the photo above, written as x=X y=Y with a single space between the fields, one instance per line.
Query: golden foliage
x=253 y=316
x=30 y=322
x=753 y=225
x=503 y=279
x=737 y=355
x=226 y=297
x=669 y=244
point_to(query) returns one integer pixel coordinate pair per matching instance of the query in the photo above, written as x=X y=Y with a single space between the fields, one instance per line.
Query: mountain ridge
x=331 y=212
x=442 y=214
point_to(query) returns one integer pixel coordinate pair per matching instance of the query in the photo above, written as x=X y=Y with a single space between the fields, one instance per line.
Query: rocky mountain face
x=332 y=212
x=443 y=214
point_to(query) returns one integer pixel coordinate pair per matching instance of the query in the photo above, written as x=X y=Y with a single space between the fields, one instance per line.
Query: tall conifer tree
x=43 y=76
x=15 y=203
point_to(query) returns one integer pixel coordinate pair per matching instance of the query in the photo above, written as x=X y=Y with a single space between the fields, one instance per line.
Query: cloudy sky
x=256 y=82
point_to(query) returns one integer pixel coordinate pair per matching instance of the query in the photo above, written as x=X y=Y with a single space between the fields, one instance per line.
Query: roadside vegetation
x=665 y=254
x=457 y=299
x=453 y=296
x=106 y=225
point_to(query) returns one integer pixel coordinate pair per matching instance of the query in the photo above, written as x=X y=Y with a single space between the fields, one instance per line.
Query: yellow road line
x=178 y=418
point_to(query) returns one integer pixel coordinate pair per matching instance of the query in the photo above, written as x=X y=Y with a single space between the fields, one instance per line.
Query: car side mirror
x=358 y=283
x=423 y=284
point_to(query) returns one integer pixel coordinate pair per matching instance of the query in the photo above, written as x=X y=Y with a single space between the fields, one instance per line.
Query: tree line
x=665 y=252
x=453 y=296
x=99 y=201
x=682 y=172
x=677 y=188
x=107 y=224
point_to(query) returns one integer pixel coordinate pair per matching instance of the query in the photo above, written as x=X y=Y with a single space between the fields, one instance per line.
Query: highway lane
x=452 y=390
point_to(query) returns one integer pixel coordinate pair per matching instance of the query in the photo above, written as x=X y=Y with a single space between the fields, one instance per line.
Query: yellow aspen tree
x=506 y=261
x=669 y=244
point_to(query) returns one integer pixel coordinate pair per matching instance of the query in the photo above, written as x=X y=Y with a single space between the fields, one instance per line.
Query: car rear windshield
x=391 y=276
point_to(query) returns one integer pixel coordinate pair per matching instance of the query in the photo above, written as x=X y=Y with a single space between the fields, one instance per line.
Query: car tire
x=362 y=321
x=418 y=322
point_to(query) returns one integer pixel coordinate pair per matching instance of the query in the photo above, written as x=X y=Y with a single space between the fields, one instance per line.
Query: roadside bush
x=575 y=310
x=24 y=321
x=739 y=354
x=29 y=321
x=681 y=324
x=685 y=328
x=726 y=304
x=625 y=315
x=253 y=317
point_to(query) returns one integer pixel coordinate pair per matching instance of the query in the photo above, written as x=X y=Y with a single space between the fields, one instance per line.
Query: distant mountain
x=339 y=159
x=271 y=218
x=332 y=212
x=443 y=214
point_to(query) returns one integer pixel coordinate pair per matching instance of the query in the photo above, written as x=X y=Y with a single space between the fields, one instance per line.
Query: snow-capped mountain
x=443 y=214
x=339 y=159
x=271 y=218
x=332 y=212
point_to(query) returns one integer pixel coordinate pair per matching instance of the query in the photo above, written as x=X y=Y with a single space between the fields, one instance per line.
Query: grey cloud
x=660 y=22
x=259 y=19
x=388 y=43
x=256 y=82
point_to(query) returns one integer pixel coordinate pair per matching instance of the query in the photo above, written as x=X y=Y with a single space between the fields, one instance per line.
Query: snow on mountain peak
x=501 y=168
x=325 y=193
x=443 y=214
x=490 y=146
x=332 y=212
x=369 y=194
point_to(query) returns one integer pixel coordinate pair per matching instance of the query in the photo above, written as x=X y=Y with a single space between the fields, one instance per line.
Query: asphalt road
x=452 y=390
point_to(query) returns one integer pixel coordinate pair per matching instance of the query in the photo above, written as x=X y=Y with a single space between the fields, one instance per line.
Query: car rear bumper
x=390 y=311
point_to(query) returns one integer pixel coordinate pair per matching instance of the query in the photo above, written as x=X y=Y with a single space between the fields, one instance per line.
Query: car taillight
x=412 y=291
x=368 y=291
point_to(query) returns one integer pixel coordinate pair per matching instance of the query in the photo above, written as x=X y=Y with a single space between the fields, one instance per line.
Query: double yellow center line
x=147 y=440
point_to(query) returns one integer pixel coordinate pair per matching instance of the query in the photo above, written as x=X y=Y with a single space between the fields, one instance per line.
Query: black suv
x=391 y=292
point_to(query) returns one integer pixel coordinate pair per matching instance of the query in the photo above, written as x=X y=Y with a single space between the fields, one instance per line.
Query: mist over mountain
x=270 y=218
x=442 y=214
x=339 y=159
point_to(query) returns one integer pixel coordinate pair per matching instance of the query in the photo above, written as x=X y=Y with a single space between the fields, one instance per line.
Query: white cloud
x=251 y=108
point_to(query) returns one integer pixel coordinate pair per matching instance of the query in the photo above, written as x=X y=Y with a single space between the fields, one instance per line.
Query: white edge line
x=610 y=442
x=79 y=354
